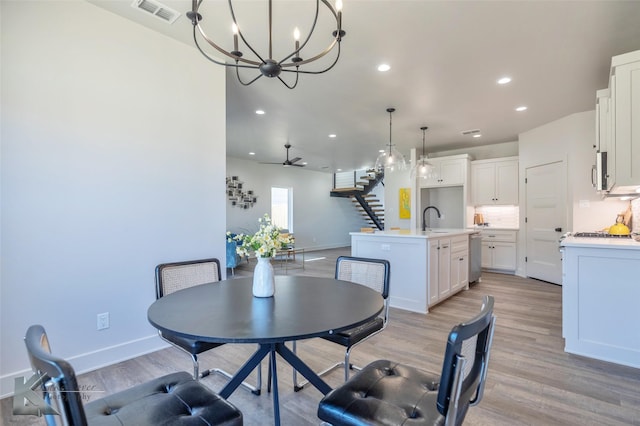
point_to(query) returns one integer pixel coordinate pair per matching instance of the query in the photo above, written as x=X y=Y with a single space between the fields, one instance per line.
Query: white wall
x=570 y=140
x=319 y=221
x=112 y=162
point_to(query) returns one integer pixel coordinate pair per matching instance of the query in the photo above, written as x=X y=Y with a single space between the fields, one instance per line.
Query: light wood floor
x=531 y=380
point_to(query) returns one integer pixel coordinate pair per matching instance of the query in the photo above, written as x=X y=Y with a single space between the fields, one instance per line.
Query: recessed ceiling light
x=504 y=80
x=339 y=170
x=252 y=153
x=260 y=112
x=384 y=67
x=477 y=135
x=381 y=150
x=521 y=108
x=332 y=135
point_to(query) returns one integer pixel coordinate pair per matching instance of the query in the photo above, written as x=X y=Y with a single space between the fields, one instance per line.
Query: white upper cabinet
x=625 y=119
x=448 y=171
x=494 y=181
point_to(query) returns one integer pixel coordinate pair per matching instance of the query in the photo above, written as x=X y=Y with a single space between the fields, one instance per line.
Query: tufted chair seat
x=385 y=393
x=174 y=399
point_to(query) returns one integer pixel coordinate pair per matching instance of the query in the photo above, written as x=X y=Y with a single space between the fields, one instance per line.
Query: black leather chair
x=171 y=277
x=174 y=399
x=373 y=273
x=388 y=393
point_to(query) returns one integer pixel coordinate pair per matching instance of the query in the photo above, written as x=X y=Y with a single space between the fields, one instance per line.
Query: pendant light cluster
x=264 y=62
x=392 y=159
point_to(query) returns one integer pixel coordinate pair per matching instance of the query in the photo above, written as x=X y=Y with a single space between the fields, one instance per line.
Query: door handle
x=558 y=229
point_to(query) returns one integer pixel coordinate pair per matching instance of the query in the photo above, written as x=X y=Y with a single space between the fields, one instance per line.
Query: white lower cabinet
x=448 y=260
x=459 y=263
x=499 y=250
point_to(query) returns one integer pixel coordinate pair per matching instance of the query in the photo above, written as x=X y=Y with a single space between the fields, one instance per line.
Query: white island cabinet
x=601 y=299
x=426 y=267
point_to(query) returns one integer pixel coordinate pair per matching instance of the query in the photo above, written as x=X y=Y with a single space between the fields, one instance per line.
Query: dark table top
x=302 y=307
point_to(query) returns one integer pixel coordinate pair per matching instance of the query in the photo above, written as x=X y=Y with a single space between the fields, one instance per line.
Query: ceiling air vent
x=471 y=132
x=157 y=9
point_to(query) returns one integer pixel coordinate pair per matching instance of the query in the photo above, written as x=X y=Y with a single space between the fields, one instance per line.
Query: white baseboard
x=90 y=361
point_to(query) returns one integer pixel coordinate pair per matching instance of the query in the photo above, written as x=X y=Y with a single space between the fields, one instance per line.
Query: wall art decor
x=237 y=195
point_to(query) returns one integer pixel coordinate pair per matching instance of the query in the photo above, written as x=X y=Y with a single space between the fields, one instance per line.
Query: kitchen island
x=426 y=266
x=601 y=299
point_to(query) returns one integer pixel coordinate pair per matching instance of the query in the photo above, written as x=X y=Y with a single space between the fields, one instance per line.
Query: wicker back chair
x=171 y=277
x=373 y=273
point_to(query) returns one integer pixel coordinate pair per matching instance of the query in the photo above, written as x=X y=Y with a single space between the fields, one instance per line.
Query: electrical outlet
x=103 y=321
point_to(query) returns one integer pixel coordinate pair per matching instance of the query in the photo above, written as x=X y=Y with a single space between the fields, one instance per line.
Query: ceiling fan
x=288 y=162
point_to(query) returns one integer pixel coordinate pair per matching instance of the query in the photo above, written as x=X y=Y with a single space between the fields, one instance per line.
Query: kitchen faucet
x=424 y=222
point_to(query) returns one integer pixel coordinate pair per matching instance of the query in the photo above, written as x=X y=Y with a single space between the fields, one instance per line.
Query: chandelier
x=390 y=160
x=265 y=63
x=423 y=169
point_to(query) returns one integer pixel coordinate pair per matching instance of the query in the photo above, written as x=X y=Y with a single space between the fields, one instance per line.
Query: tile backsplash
x=500 y=216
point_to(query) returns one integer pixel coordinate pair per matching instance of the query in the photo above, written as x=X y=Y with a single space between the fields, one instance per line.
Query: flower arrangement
x=263 y=243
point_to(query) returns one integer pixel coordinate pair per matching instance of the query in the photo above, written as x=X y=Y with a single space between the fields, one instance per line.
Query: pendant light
x=423 y=169
x=390 y=160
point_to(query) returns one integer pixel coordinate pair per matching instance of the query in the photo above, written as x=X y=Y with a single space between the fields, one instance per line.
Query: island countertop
x=408 y=233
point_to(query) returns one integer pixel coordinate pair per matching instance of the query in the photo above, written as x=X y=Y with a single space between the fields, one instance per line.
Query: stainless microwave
x=599 y=172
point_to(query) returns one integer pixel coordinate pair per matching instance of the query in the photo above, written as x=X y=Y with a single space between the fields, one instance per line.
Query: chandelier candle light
x=291 y=62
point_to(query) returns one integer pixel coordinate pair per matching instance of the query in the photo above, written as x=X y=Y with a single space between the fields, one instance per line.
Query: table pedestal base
x=271 y=349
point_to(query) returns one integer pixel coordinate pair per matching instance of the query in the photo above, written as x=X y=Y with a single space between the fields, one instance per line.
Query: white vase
x=263 y=279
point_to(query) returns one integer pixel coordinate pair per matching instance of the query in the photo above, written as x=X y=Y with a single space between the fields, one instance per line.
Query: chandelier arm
x=306 y=40
x=240 y=79
x=318 y=56
x=233 y=17
x=285 y=83
x=236 y=65
x=316 y=72
x=196 y=23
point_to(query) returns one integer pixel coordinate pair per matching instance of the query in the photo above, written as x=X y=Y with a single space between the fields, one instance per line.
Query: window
x=281 y=208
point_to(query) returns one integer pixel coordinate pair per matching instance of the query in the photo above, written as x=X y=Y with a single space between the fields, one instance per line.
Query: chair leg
x=299 y=386
x=256 y=390
x=197 y=375
x=196 y=367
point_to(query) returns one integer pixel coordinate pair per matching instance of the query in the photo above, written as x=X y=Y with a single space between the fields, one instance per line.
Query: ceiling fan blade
x=293 y=160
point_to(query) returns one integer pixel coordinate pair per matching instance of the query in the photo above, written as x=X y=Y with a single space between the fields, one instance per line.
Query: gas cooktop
x=598 y=235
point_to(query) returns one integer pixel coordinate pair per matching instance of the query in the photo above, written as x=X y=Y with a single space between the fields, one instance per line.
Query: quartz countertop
x=408 y=233
x=610 y=243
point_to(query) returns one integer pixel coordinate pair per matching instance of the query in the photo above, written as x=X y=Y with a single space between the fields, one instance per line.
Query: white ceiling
x=445 y=56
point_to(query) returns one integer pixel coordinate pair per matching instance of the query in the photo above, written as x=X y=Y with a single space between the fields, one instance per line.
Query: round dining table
x=302 y=307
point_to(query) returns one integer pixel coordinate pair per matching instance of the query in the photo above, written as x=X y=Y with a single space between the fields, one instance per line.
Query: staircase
x=367 y=204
